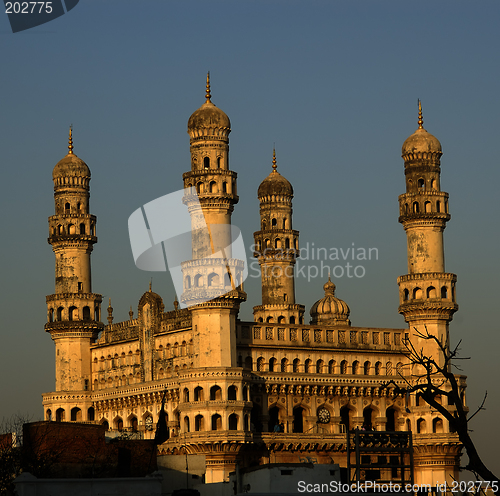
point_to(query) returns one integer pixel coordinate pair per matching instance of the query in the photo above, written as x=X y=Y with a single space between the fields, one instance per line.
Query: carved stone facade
x=272 y=390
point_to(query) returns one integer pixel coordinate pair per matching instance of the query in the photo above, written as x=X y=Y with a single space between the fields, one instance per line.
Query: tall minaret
x=73 y=310
x=212 y=278
x=276 y=248
x=427 y=292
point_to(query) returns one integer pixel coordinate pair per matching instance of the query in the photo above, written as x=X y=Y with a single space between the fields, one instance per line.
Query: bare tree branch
x=437 y=380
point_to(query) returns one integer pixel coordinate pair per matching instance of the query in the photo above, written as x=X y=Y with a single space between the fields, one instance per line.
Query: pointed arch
x=366 y=368
x=331 y=367
x=319 y=366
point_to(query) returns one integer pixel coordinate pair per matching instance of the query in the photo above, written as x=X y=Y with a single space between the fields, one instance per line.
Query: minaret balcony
x=83 y=328
x=95 y=297
x=203 y=173
x=426 y=218
x=425 y=310
x=73 y=307
x=424 y=205
x=72 y=239
x=432 y=291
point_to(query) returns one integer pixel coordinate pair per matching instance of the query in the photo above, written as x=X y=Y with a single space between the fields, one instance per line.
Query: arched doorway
x=298 y=419
x=274 y=418
x=368 y=419
x=233 y=422
x=345 y=419
x=390 y=414
x=255 y=422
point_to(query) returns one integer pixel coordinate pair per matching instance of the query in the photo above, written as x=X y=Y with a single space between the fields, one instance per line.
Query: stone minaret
x=427 y=292
x=212 y=274
x=73 y=310
x=276 y=248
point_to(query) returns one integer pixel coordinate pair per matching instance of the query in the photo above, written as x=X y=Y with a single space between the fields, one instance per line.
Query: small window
x=206 y=163
x=86 y=313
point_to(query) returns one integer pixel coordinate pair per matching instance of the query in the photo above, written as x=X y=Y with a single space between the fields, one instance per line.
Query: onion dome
x=208 y=119
x=421 y=141
x=275 y=183
x=330 y=310
x=70 y=165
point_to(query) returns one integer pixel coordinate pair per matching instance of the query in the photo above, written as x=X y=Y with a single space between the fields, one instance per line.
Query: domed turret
x=330 y=309
x=153 y=299
x=420 y=141
x=275 y=184
x=70 y=165
x=209 y=119
x=277 y=248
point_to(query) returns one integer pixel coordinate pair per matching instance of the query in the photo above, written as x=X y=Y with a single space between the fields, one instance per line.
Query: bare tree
x=11 y=432
x=433 y=378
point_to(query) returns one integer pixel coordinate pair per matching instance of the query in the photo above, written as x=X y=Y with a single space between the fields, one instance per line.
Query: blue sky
x=334 y=84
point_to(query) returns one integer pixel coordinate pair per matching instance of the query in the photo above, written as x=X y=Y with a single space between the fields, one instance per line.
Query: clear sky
x=334 y=84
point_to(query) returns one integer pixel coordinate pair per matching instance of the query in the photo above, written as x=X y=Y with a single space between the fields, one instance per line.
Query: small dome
x=71 y=166
x=330 y=310
x=275 y=183
x=208 y=116
x=421 y=141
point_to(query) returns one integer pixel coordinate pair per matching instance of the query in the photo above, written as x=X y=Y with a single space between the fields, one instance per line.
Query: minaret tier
x=211 y=180
x=73 y=311
x=276 y=249
x=427 y=293
x=213 y=287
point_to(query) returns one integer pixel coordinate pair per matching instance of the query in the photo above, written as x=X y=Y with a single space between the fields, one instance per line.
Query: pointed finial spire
x=207 y=93
x=420 y=118
x=110 y=313
x=176 y=303
x=131 y=313
x=70 y=141
x=275 y=166
x=329 y=287
x=150 y=284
